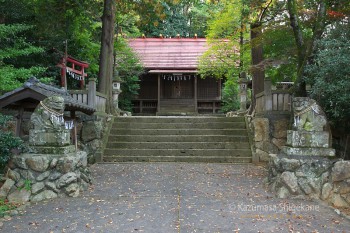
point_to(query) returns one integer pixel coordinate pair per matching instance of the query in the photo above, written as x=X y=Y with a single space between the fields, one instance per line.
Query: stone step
x=179 y=152
x=187 y=125
x=177 y=112
x=178 y=132
x=178 y=145
x=188 y=159
x=178 y=119
x=177 y=138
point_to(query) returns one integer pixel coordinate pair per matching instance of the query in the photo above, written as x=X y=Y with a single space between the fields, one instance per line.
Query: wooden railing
x=145 y=105
x=150 y=106
x=82 y=96
x=208 y=106
x=273 y=100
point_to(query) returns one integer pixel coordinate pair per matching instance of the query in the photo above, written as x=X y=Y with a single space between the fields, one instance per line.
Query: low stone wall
x=92 y=131
x=36 y=177
x=269 y=134
x=312 y=177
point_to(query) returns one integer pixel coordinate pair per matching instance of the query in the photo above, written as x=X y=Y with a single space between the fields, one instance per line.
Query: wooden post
x=219 y=86
x=195 y=94
x=92 y=93
x=19 y=122
x=141 y=106
x=158 y=105
x=82 y=81
x=268 y=95
x=65 y=65
x=75 y=137
x=219 y=94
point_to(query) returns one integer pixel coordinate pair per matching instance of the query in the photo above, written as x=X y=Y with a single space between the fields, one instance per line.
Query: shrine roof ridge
x=47 y=90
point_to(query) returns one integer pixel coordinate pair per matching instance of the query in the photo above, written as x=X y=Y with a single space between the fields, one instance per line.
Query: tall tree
x=258 y=73
x=304 y=47
x=106 y=70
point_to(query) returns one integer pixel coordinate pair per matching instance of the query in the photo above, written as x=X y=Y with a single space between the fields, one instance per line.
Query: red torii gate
x=70 y=65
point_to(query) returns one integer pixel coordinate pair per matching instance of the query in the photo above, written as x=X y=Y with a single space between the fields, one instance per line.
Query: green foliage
x=5 y=206
x=280 y=51
x=129 y=69
x=220 y=60
x=230 y=95
x=15 y=47
x=226 y=56
x=329 y=73
x=170 y=18
x=27 y=185
x=77 y=22
x=8 y=142
x=226 y=21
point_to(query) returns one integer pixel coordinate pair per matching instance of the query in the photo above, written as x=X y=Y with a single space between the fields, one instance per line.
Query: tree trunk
x=304 y=51
x=257 y=57
x=105 y=75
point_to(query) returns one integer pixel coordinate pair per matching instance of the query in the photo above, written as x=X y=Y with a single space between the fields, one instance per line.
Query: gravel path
x=177 y=197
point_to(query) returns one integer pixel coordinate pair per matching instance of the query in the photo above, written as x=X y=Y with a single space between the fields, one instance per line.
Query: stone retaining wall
x=269 y=134
x=36 y=177
x=313 y=177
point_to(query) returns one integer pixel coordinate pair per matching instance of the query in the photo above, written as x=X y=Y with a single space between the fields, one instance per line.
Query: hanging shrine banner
x=176 y=77
x=73 y=68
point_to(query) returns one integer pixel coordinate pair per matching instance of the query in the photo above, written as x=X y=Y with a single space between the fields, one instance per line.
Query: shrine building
x=171 y=83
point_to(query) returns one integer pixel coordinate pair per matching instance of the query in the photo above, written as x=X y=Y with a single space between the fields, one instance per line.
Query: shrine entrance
x=181 y=87
x=171 y=84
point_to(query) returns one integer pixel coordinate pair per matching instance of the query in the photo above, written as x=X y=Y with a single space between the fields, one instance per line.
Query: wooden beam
x=195 y=94
x=158 y=104
x=19 y=122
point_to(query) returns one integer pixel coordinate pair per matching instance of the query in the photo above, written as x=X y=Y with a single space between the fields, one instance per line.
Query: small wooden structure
x=172 y=83
x=27 y=97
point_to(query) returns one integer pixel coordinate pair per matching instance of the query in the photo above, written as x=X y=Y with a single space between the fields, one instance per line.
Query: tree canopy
x=278 y=39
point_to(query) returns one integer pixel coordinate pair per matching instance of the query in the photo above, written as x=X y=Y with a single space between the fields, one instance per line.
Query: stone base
x=322 y=178
x=63 y=150
x=36 y=177
x=46 y=138
x=318 y=139
x=299 y=151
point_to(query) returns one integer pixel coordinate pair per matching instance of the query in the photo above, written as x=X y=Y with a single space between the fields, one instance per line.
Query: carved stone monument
x=48 y=133
x=53 y=168
x=309 y=135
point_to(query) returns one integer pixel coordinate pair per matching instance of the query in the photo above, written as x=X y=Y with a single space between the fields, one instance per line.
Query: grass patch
x=5 y=206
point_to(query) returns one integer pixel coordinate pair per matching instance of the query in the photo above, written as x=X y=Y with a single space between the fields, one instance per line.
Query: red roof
x=169 y=53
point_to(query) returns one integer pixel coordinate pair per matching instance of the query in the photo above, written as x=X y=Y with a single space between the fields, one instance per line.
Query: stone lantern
x=243 y=84
x=116 y=90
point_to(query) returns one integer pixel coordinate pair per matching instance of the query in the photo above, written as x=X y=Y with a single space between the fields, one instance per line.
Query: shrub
x=329 y=74
x=8 y=141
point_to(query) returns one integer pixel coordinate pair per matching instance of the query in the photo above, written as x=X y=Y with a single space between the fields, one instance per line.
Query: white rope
x=55 y=116
x=50 y=110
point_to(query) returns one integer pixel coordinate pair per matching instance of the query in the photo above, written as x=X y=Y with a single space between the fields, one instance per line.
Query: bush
x=8 y=141
x=329 y=74
x=230 y=96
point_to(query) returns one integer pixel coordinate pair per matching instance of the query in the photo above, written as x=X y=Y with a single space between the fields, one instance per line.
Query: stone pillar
x=243 y=83
x=92 y=92
x=116 y=91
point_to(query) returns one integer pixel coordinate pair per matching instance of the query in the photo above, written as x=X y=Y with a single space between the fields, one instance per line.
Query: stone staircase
x=178 y=139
